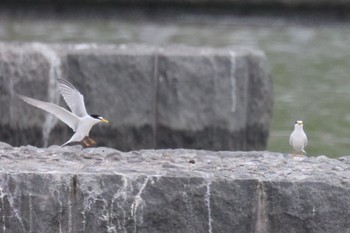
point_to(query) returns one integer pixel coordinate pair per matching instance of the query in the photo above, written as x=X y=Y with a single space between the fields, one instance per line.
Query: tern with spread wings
x=79 y=120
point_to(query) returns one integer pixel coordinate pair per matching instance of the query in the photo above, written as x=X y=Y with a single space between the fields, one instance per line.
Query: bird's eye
x=296 y=122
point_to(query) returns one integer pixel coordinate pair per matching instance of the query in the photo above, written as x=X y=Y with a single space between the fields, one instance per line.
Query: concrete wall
x=154 y=97
x=157 y=191
x=289 y=3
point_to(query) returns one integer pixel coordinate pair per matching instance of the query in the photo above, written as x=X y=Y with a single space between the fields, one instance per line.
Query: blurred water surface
x=310 y=62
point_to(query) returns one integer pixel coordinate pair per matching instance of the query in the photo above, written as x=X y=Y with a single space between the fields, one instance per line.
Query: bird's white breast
x=84 y=127
x=298 y=139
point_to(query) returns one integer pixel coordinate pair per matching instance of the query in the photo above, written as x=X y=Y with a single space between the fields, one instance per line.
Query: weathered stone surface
x=208 y=94
x=253 y=3
x=105 y=190
x=260 y=99
x=174 y=97
x=29 y=70
x=121 y=86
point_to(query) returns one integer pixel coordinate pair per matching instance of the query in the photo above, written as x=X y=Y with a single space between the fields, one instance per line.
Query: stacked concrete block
x=119 y=85
x=150 y=191
x=174 y=97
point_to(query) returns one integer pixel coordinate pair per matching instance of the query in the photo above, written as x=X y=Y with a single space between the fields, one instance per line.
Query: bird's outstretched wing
x=64 y=115
x=73 y=98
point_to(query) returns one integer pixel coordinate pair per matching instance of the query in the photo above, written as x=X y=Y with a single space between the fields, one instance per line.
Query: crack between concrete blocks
x=3 y=211
x=207 y=200
x=73 y=204
x=156 y=93
x=137 y=201
x=260 y=226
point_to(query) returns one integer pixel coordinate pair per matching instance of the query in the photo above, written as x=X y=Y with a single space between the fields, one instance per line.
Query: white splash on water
x=233 y=81
x=207 y=201
x=55 y=71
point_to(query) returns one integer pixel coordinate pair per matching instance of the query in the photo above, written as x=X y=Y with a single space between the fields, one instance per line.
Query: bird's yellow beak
x=105 y=121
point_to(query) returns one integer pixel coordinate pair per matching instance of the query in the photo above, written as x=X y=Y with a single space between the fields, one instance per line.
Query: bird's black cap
x=95 y=116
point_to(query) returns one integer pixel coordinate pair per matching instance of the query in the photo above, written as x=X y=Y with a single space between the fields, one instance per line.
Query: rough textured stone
x=260 y=99
x=121 y=86
x=255 y=3
x=208 y=94
x=25 y=69
x=173 y=97
x=105 y=190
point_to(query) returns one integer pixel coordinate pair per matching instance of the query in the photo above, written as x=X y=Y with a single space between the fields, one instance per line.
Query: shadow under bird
x=298 y=139
x=79 y=120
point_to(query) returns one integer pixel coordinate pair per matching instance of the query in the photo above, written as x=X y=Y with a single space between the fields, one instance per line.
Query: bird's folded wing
x=73 y=98
x=67 y=117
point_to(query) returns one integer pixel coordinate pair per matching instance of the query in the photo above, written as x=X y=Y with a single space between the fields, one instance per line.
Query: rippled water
x=310 y=63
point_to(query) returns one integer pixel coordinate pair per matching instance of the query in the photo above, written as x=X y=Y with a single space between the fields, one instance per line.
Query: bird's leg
x=92 y=142
x=85 y=142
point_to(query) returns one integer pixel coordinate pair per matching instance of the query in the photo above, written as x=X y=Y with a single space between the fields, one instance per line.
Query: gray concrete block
x=215 y=94
x=231 y=101
x=185 y=100
x=260 y=105
x=219 y=99
x=252 y=3
x=119 y=85
x=105 y=190
x=306 y=206
x=25 y=69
